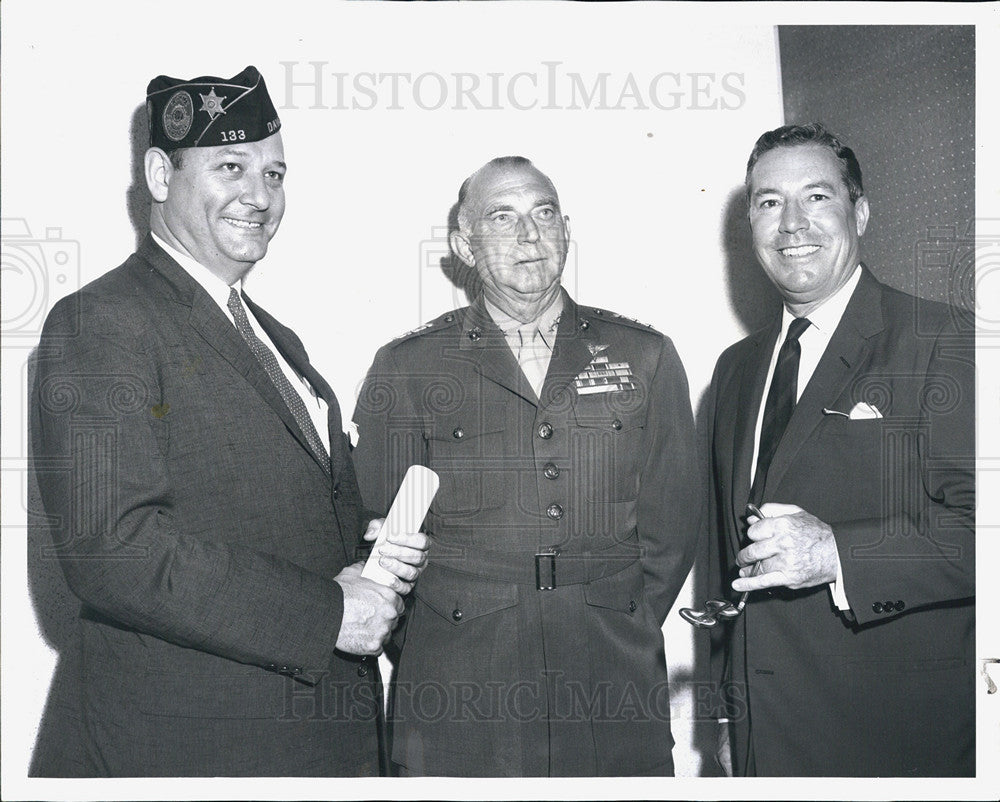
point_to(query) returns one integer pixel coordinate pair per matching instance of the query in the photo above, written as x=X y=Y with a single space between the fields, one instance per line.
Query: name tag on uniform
x=604 y=376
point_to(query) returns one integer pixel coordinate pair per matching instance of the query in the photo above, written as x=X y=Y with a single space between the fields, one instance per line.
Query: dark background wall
x=903 y=98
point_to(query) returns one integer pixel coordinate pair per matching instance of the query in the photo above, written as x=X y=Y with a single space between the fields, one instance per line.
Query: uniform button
x=877 y=607
x=584 y=325
x=545 y=430
x=449 y=318
x=457 y=614
x=888 y=606
x=296 y=671
x=551 y=470
x=616 y=425
x=271 y=667
x=475 y=334
x=459 y=433
x=632 y=606
x=900 y=605
x=362 y=671
x=554 y=511
x=336 y=492
x=598 y=311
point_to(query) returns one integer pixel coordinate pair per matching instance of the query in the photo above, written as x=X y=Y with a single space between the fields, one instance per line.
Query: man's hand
x=797 y=549
x=403 y=554
x=370 y=612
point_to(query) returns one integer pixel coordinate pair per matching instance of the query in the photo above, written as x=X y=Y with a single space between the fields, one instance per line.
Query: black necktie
x=267 y=358
x=780 y=404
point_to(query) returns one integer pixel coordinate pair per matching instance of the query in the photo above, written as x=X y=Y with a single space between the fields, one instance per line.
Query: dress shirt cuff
x=837 y=589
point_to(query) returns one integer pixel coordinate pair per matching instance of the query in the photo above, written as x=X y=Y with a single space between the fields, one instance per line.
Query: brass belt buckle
x=545 y=568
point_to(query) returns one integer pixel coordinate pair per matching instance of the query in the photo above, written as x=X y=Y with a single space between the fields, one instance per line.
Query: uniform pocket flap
x=603 y=416
x=460 y=597
x=621 y=591
x=460 y=428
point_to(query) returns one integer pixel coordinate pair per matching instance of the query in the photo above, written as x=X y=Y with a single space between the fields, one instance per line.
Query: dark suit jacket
x=200 y=535
x=889 y=690
x=497 y=677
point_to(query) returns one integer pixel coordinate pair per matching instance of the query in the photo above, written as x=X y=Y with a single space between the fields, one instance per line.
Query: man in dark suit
x=203 y=502
x=566 y=517
x=850 y=422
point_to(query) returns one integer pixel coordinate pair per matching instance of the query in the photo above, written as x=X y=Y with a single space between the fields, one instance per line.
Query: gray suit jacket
x=889 y=690
x=202 y=538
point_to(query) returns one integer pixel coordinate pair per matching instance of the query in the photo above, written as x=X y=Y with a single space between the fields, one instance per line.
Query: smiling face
x=513 y=233
x=225 y=203
x=805 y=227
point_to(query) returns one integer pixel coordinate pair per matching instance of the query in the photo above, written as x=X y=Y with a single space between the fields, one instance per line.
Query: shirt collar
x=826 y=317
x=547 y=321
x=212 y=284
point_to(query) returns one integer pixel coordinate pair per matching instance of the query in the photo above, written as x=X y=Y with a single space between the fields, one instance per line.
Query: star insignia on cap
x=212 y=103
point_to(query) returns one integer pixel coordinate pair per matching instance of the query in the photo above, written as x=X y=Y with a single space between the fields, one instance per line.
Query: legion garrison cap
x=209 y=111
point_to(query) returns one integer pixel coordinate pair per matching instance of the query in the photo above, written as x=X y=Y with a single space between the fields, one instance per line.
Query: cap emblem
x=178 y=115
x=212 y=103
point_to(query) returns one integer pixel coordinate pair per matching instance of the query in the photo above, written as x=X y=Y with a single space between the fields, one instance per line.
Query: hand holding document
x=409 y=508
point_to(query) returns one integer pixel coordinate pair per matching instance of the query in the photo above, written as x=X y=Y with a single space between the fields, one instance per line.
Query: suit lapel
x=748 y=396
x=837 y=368
x=291 y=350
x=213 y=326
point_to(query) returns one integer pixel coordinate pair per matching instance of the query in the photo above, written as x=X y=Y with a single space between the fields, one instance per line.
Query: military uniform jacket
x=201 y=536
x=888 y=689
x=590 y=489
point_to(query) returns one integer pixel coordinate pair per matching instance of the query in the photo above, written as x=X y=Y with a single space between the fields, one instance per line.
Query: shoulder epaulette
x=438 y=324
x=615 y=317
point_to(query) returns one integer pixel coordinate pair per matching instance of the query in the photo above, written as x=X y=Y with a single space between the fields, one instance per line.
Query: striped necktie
x=278 y=378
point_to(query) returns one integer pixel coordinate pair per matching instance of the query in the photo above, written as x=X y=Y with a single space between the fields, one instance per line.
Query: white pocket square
x=861 y=411
x=864 y=411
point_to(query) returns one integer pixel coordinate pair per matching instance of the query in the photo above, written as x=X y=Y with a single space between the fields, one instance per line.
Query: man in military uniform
x=566 y=518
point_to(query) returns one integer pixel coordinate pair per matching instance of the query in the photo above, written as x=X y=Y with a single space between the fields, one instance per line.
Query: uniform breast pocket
x=607 y=449
x=467 y=452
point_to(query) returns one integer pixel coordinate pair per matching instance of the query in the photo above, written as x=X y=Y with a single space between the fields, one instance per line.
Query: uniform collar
x=547 y=322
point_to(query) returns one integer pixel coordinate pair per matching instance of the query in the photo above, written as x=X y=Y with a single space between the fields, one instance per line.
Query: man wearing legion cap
x=203 y=503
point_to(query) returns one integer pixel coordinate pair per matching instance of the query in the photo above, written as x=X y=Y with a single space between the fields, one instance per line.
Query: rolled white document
x=409 y=508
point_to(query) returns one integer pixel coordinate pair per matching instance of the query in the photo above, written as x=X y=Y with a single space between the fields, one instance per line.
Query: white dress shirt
x=219 y=292
x=812 y=342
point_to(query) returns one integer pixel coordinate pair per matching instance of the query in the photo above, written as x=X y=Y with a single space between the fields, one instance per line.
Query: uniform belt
x=546 y=569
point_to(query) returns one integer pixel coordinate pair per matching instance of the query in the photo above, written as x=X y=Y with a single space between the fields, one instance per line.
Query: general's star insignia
x=212 y=103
